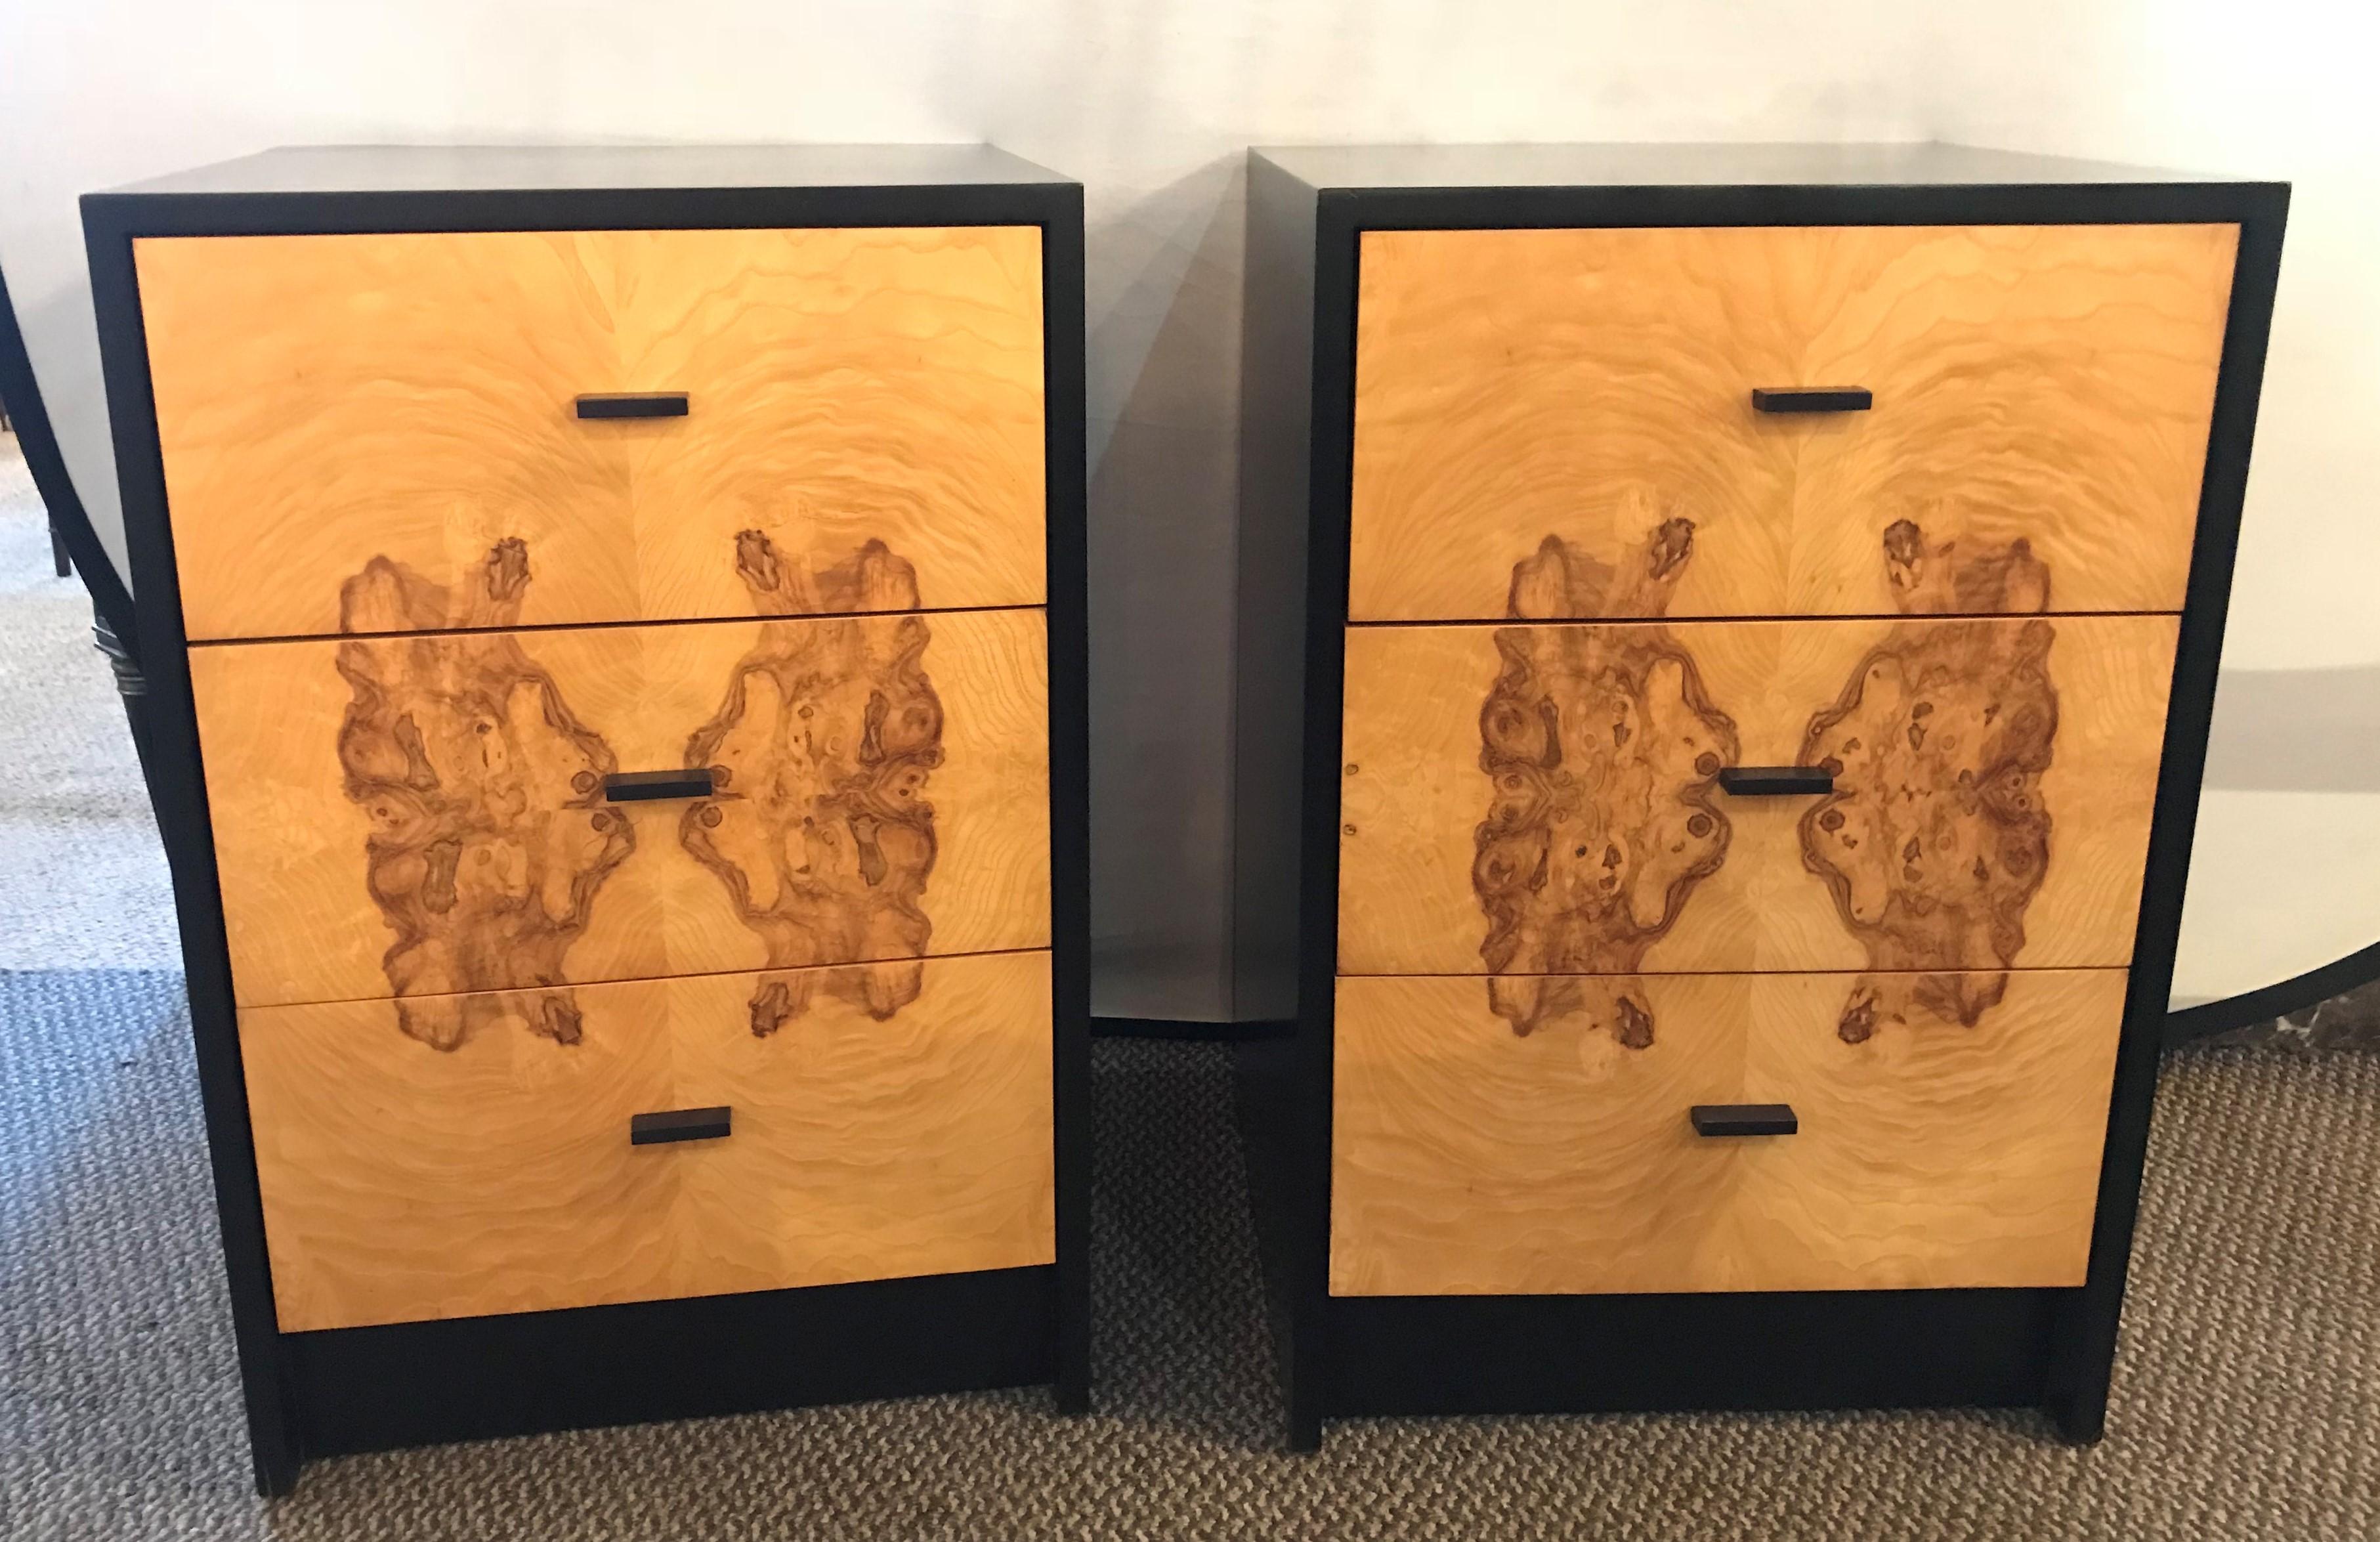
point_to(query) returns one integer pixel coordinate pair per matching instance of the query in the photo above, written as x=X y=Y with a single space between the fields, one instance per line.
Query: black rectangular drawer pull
x=1813 y=399
x=1745 y=1119
x=659 y=1129
x=1776 y=781
x=639 y=786
x=633 y=403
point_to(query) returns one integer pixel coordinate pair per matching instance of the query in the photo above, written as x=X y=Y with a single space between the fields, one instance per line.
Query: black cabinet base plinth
x=407 y=1384
x=1720 y=1352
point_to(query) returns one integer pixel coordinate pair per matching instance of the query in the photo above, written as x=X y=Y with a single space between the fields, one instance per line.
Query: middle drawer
x=1544 y=798
x=426 y=815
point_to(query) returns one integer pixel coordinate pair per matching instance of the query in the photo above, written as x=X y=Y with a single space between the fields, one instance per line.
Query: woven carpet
x=2247 y=1402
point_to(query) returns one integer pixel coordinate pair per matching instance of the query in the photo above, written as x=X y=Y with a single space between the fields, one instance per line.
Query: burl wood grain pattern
x=1936 y=837
x=2049 y=383
x=402 y=1184
x=490 y=838
x=1940 y=1154
x=1413 y=793
x=327 y=399
x=325 y=870
x=1602 y=749
x=823 y=836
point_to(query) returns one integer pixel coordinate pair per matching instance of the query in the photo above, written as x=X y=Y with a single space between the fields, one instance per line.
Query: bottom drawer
x=873 y=1135
x=1950 y=1133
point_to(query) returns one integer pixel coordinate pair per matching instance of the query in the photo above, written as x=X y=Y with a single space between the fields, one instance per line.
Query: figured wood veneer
x=825 y=840
x=324 y=400
x=402 y=1181
x=1469 y=1160
x=1601 y=749
x=423 y=816
x=1541 y=798
x=2053 y=383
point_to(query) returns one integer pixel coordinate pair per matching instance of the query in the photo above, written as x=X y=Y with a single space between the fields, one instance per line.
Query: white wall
x=1150 y=102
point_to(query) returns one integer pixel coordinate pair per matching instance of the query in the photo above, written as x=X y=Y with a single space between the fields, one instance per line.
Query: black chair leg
x=134 y=689
x=58 y=557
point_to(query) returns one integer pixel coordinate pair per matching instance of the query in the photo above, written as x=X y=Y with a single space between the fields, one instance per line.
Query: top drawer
x=1561 y=423
x=327 y=401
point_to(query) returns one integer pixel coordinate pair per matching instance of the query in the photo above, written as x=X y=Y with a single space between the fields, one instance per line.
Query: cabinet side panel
x=1276 y=409
x=166 y=730
x=2086 y=1336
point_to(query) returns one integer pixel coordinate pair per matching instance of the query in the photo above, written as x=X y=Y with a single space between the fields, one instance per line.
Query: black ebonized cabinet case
x=1726 y=637
x=613 y=623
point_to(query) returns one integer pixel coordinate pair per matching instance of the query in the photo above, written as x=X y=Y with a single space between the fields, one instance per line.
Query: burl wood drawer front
x=423 y=816
x=327 y=403
x=1472 y=1158
x=1546 y=799
x=403 y=1181
x=1560 y=422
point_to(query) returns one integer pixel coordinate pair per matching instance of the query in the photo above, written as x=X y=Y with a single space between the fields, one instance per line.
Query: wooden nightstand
x=614 y=633
x=1759 y=611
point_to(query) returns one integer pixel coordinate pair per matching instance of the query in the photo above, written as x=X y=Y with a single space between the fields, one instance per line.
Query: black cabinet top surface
x=346 y=169
x=1358 y=167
